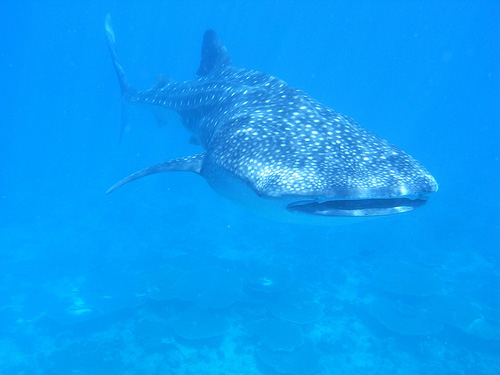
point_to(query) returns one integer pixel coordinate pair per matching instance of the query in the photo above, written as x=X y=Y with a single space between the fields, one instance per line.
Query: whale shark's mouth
x=357 y=207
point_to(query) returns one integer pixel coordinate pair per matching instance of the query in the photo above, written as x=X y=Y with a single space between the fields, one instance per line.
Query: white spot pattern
x=281 y=142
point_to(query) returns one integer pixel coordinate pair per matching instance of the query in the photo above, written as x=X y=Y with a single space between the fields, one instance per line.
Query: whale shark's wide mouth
x=357 y=207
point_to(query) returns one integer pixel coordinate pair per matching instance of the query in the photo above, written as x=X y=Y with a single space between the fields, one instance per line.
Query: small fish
x=276 y=150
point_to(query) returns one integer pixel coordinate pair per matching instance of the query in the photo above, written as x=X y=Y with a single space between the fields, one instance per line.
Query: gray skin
x=276 y=150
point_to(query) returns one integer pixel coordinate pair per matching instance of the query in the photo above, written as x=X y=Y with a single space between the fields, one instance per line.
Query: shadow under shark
x=276 y=150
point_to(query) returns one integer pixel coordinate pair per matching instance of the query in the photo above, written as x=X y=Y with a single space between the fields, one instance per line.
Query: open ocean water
x=164 y=276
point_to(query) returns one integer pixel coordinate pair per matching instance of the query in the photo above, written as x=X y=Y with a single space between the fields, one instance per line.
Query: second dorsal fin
x=214 y=54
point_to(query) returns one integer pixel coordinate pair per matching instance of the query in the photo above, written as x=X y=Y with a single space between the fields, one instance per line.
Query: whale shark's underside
x=276 y=150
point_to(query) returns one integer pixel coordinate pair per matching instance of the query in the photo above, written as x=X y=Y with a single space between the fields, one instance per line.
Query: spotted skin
x=264 y=139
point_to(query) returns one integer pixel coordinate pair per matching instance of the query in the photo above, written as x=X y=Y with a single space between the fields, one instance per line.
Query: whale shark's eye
x=357 y=207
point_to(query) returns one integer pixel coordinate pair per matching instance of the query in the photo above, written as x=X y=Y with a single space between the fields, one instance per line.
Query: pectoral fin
x=190 y=164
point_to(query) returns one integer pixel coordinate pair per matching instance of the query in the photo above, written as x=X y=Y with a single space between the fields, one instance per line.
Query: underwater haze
x=164 y=276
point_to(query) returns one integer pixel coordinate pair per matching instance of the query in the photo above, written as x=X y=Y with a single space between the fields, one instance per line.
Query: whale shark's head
x=329 y=167
x=359 y=188
x=401 y=191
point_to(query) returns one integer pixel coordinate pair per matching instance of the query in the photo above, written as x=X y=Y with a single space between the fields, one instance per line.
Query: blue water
x=164 y=276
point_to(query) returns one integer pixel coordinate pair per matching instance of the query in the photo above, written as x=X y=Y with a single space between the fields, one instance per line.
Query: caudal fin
x=125 y=86
x=110 y=38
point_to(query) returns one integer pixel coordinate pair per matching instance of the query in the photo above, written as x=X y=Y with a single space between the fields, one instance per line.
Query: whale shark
x=274 y=149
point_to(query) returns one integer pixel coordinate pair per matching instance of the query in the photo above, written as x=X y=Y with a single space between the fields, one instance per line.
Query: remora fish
x=276 y=150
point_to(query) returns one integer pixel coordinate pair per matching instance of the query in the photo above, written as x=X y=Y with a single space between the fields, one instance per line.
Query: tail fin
x=125 y=86
x=110 y=37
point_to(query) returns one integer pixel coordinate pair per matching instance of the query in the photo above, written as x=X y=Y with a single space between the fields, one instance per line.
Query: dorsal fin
x=213 y=54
